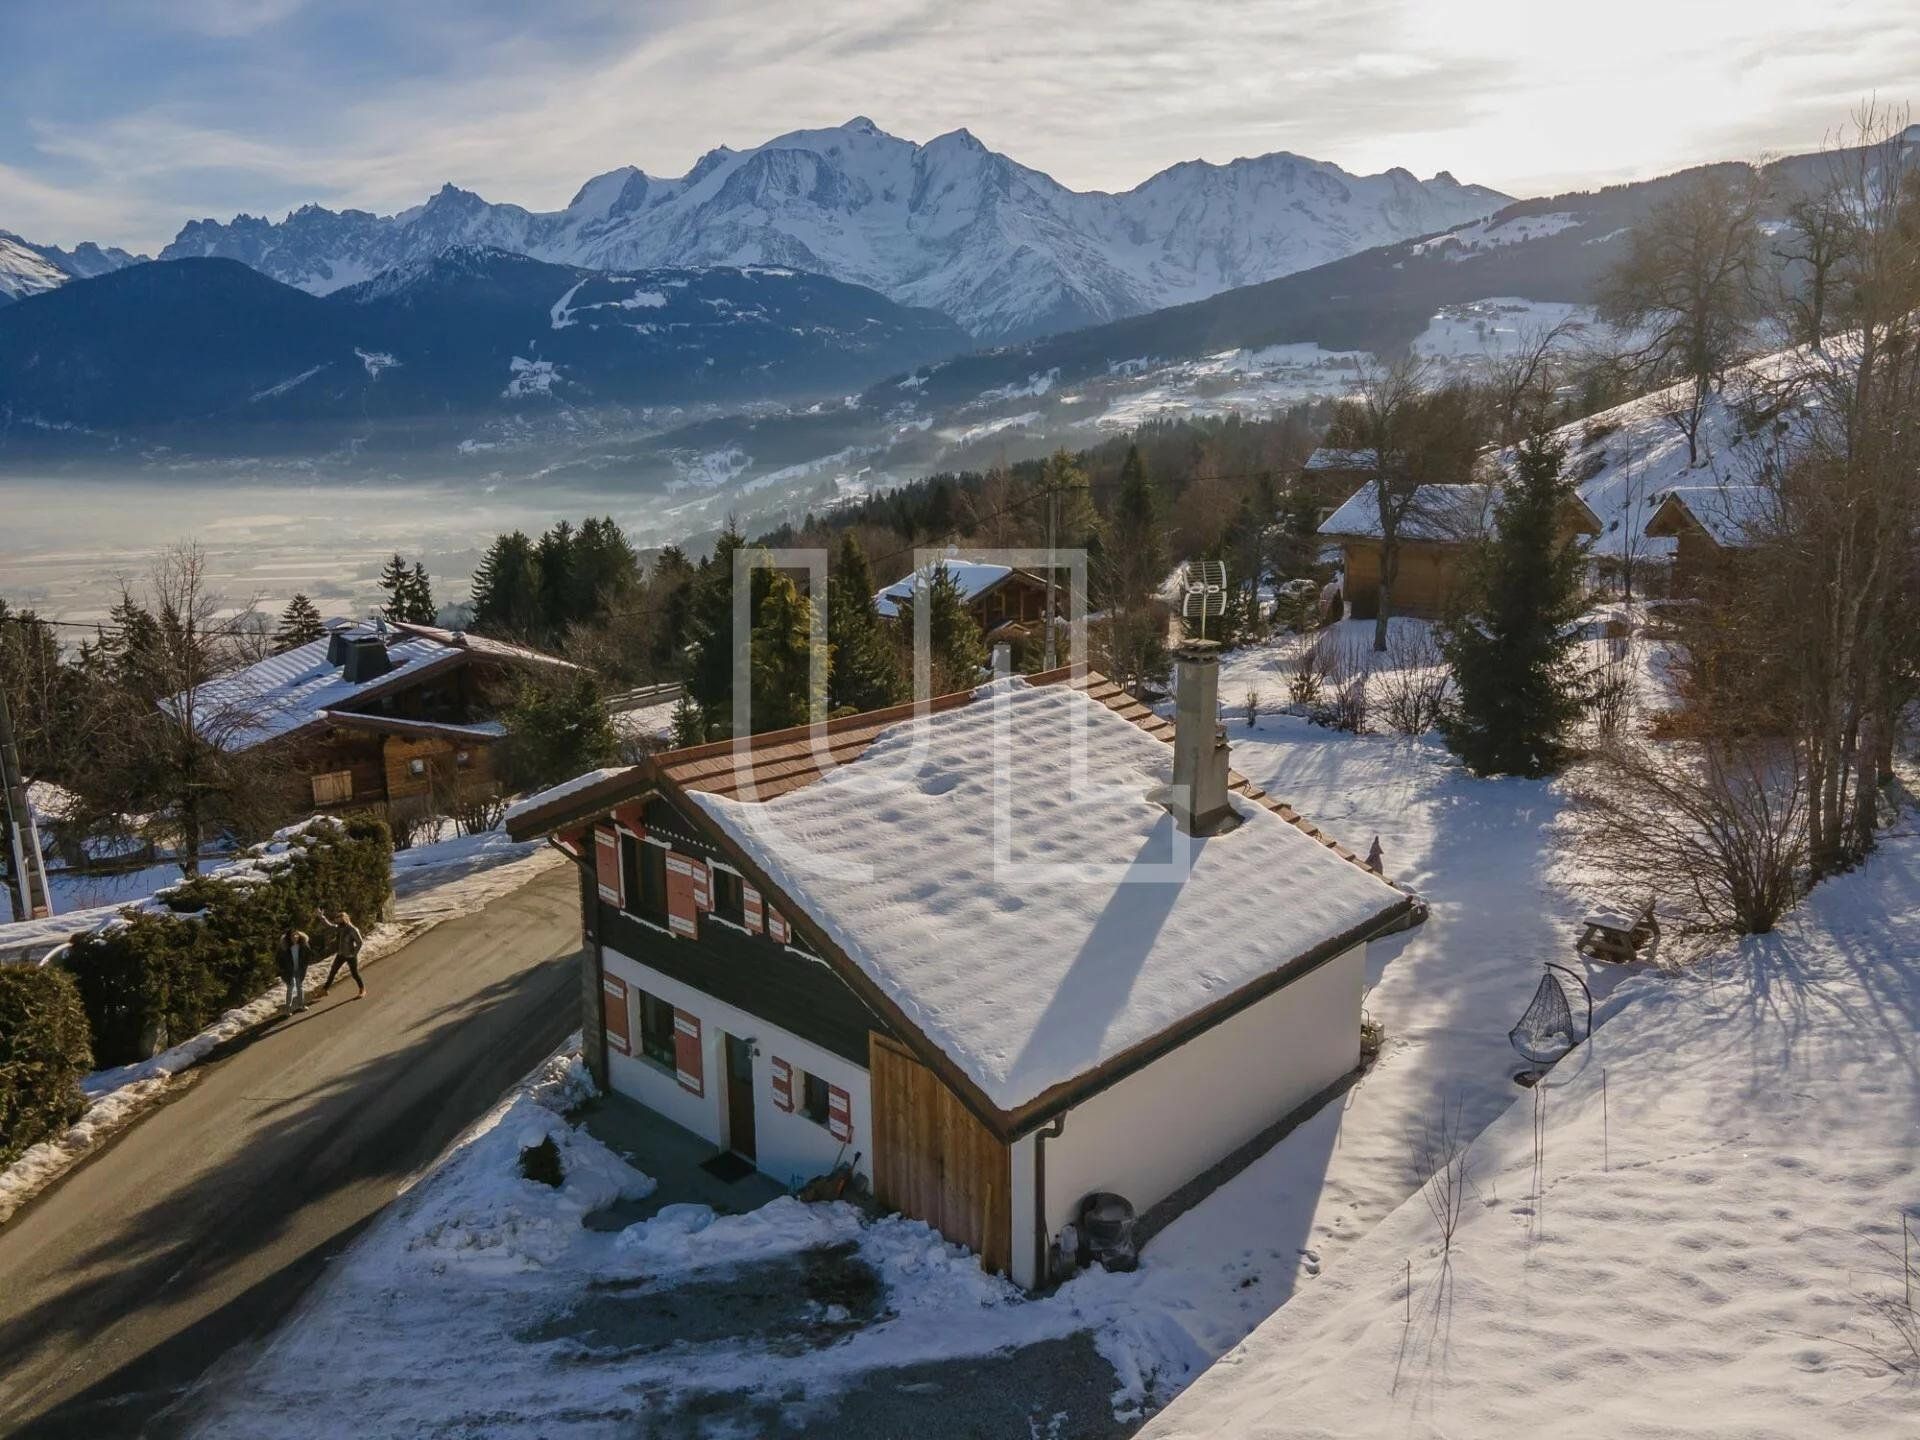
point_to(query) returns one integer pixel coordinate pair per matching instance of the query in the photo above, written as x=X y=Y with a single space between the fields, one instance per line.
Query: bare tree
x=1690 y=288
x=1835 y=573
x=1411 y=432
x=1716 y=829
x=1441 y=1153
x=177 y=733
x=1522 y=384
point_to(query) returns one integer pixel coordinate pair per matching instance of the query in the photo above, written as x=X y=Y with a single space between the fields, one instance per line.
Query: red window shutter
x=606 y=863
x=613 y=1010
x=782 y=1085
x=687 y=1059
x=750 y=909
x=682 y=913
x=777 y=925
x=702 y=885
x=839 y=1115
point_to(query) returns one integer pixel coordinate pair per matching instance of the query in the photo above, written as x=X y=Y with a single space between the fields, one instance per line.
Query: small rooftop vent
x=338 y=643
x=366 y=659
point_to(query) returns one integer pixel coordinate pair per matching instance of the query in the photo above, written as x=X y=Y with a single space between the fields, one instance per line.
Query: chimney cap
x=1196 y=649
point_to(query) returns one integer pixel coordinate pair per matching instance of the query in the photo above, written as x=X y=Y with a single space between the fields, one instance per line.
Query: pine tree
x=1138 y=544
x=689 y=725
x=866 y=670
x=1511 y=649
x=506 y=588
x=557 y=731
x=710 y=629
x=417 y=597
x=955 y=651
x=784 y=692
x=393 y=584
x=299 y=624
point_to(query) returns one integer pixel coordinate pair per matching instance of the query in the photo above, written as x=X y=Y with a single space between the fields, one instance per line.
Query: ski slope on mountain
x=1004 y=250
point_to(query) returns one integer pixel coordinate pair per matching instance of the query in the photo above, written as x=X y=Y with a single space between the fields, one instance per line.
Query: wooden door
x=933 y=1161
x=740 y=1097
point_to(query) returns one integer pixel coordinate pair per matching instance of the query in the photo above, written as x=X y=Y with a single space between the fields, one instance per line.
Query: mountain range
x=1005 y=251
x=209 y=353
x=28 y=269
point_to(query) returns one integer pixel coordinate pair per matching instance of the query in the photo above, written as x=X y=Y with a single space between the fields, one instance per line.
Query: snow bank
x=1701 y=1247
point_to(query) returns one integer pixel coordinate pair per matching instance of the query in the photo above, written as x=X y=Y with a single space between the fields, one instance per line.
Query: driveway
x=197 y=1230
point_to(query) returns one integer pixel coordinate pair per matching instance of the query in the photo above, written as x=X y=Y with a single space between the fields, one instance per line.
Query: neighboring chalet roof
x=297 y=689
x=1331 y=458
x=1728 y=515
x=973 y=577
x=1438 y=513
x=396 y=725
x=274 y=697
x=1082 y=953
x=482 y=646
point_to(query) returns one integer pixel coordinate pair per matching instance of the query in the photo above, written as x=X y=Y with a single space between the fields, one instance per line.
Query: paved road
x=200 y=1227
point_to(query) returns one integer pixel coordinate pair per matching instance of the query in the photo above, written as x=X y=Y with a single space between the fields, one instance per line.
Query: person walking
x=347 y=941
x=292 y=956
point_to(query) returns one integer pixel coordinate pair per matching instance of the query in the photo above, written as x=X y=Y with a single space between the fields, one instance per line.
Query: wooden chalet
x=1006 y=603
x=807 y=949
x=394 y=718
x=1708 y=524
x=1440 y=525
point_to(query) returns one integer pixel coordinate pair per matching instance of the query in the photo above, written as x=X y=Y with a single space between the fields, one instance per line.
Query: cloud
x=223 y=105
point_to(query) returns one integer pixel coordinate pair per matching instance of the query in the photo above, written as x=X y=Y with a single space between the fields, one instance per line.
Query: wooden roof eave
x=583 y=807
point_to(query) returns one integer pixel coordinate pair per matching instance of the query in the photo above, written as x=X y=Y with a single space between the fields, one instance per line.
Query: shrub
x=43 y=1055
x=540 y=1163
x=167 y=971
x=1416 y=682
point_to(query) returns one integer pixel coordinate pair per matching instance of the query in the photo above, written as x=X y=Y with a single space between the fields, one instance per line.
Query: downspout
x=1040 y=1237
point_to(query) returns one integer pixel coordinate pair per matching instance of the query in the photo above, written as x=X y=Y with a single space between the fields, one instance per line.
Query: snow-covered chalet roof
x=286 y=692
x=1329 y=457
x=1732 y=515
x=1100 y=927
x=1437 y=512
x=973 y=577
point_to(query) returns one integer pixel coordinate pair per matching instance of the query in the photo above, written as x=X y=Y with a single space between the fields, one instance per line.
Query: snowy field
x=1707 y=1243
x=477 y=1257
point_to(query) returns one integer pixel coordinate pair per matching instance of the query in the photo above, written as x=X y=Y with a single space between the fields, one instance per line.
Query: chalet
x=1441 y=522
x=985 y=951
x=1708 y=524
x=1007 y=604
x=395 y=718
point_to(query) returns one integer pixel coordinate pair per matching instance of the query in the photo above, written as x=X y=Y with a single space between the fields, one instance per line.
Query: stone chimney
x=1199 y=796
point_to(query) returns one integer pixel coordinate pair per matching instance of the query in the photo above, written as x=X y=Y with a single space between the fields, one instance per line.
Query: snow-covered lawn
x=1710 y=1246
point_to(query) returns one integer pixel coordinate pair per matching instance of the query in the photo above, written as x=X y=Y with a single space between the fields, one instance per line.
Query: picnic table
x=1616 y=937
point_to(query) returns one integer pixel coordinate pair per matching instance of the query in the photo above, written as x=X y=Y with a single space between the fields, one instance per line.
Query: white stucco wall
x=789 y=1147
x=1160 y=1127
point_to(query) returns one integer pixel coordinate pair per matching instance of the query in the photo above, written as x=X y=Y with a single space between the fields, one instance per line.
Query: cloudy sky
x=119 y=119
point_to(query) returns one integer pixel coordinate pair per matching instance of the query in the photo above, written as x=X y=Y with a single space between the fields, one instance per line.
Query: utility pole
x=26 y=874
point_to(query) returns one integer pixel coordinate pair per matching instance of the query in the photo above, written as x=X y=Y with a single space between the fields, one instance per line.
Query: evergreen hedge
x=161 y=974
x=43 y=1055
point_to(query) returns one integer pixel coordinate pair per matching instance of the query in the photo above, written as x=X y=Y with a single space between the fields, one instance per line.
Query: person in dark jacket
x=293 y=954
x=347 y=941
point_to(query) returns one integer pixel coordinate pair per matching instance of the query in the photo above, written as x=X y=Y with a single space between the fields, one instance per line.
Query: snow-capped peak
x=1004 y=249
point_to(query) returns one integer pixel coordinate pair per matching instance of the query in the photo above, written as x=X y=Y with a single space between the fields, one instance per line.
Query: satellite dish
x=1204 y=596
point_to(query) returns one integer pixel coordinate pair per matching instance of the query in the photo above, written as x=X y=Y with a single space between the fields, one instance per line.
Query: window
x=332 y=788
x=729 y=896
x=643 y=871
x=656 y=1029
x=813 y=1098
x=462 y=759
x=416 y=767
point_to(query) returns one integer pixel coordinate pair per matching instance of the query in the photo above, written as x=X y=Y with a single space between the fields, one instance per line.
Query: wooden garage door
x=933 y=1161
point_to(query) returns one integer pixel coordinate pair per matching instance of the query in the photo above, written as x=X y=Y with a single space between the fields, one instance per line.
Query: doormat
x=727 y=1167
